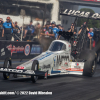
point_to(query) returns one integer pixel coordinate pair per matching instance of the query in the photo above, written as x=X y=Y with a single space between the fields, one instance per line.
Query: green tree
x=92 y=23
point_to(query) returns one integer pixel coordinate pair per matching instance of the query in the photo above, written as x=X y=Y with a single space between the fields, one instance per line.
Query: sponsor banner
x=19 y=50
x=77 y=13
x=36 y=49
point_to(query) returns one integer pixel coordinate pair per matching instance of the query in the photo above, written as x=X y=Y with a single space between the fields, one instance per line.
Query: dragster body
x=56 y=60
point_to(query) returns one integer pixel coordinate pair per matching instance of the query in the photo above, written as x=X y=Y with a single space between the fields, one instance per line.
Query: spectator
x=60 y=27
x=80 y=30
x=38 y=29
x=20 y=29
x=29 y=32
x=72 y=27
x=84 y=26
x=90 y=37
x=91 y=34
x=47 y=36
x=55 y=30
x=47 y=31
x=16 y=29
x=16 y=32
x=1 y=27
x=8 y=29
x=75 y=37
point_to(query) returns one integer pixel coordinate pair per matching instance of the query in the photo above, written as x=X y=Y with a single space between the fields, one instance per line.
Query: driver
x=59 y=47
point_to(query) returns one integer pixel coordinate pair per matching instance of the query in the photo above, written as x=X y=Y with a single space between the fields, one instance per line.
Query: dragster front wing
x=22 y=72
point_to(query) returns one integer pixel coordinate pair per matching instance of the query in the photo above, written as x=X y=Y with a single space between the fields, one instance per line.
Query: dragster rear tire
x=7 y=64
x=91 y=62
x=35 y=66
x=89 y=68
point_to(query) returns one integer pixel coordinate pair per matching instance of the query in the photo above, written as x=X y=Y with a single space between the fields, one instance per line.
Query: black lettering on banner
x=87 y=14
x=76 y=13
x=81 y=14
x=72 y=12
x=69 y=12
x=65 y=12
x=96 y=15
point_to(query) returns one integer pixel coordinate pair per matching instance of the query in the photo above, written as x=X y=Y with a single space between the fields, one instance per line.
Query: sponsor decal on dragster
x=54 y=61
x=71 y=69
x=40 y=57
x=44 y=56
x=75 y=69
x=45 y=66
x=66 y=63
x=19 y=49
x=53 y=72
x=62 y=58
x=17 y=71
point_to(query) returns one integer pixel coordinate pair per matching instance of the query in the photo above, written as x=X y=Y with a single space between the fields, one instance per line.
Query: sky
x=96 y=9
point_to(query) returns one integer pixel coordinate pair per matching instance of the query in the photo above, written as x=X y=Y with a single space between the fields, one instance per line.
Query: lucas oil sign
x=19 y=50
x=78 y=13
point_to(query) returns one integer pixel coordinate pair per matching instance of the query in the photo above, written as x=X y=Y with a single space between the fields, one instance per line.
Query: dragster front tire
x=34 y=68
x=7 y=64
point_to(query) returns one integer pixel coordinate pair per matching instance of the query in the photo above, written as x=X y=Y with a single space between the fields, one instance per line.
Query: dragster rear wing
x=81 y=14
x=22 y=72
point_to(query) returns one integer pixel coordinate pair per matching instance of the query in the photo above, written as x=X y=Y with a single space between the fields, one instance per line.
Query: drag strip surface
x=66 y=87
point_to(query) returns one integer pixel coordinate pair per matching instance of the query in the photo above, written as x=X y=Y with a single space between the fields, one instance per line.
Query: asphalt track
x=66 y=87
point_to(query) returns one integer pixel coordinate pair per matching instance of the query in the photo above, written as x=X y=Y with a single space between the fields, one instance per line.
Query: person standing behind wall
x=55 y=30
x=90 y=37
x=29 y=32
x=60 y=29
x=47 y=36
x=38 y=30
x=8 y=29
x=16 y=31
